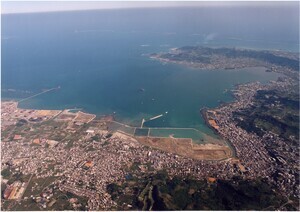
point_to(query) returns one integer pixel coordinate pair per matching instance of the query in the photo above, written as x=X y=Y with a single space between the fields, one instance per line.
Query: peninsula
x=229 y=58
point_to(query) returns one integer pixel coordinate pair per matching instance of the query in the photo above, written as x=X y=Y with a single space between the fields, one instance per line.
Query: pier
x=48 y=90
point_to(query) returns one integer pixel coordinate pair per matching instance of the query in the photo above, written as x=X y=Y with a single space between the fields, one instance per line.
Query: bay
x=99 y=60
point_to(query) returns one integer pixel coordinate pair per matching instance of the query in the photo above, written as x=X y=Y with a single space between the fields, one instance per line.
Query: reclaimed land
x=185 y=147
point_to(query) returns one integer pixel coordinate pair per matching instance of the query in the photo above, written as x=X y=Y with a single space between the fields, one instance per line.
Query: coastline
x=211 y=150
x=203 y=115
x=203 y=112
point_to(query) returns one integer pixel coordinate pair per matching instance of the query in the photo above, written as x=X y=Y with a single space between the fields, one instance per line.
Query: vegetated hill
x=274 y=111
x=159 y=192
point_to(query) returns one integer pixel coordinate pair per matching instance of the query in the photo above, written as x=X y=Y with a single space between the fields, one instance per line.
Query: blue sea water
x=99 y=59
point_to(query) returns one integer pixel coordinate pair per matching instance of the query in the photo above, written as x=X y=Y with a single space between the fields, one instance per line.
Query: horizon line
x=188 y=4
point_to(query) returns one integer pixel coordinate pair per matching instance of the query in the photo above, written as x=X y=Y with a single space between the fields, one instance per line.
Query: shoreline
x=110 y=117
x=203 y=112
x=210 y=150
x=101 y=115
x=202 y=115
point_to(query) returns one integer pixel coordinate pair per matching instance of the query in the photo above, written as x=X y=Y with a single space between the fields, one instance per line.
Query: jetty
x=143 y=121
x=48 y=90
x=155 y=117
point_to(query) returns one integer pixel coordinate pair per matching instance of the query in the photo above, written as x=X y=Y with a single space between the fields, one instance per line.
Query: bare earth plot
x=185 y=147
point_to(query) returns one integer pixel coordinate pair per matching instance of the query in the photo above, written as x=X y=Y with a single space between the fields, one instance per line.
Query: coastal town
x=76 y=153
x=252 y=150
x=85 y=160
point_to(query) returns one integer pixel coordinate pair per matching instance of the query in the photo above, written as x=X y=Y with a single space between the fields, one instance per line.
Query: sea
x=100 y=60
